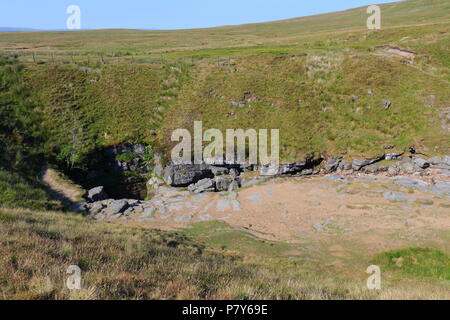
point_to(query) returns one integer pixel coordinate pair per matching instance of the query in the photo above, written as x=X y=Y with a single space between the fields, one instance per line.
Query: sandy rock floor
x=329 y=209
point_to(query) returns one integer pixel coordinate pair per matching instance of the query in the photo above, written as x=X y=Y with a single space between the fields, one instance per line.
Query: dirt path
x=69 y=194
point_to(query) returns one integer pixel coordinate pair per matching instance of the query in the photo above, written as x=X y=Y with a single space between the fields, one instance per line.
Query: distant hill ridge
x=13 y=29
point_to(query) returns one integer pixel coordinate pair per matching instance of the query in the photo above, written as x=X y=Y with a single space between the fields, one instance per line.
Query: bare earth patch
x=62 y=189
x=334 y=220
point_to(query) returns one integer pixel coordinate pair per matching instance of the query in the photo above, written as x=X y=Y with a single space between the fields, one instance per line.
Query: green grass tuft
x=416 y=262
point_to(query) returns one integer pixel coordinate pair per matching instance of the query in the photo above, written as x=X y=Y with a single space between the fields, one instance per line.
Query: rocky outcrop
x=438 y=188
x=332 y=164
x=222 y=177
x=97 y=194
x=113 y=209
x=203 y=185
x=116 y=207
x=183 y=175
x=357 y=164
x=200 y=178
x=344 y=166
x=373 y=168
x=409 y=165
x=421 y=163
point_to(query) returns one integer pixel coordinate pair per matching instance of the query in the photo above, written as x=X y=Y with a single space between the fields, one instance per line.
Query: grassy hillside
x=403 y=13
x=310 y=77
x=129 y=263
x=307 y=92
x=21 y=141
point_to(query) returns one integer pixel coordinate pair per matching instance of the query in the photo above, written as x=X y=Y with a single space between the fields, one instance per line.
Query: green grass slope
x=403 y=13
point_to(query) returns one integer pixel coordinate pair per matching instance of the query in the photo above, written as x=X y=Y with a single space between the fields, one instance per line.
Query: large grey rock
x=344 y=166
x=357 y=164
x=95 y=208
x=116 y=207
x=373 y=168
x=386 y=103
x=421 y=163
x=292 y=167
x=204 y=185
x=183 y=175
x=223 y=182
x=97 y=194
x=285 y=168
x=332 y=164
